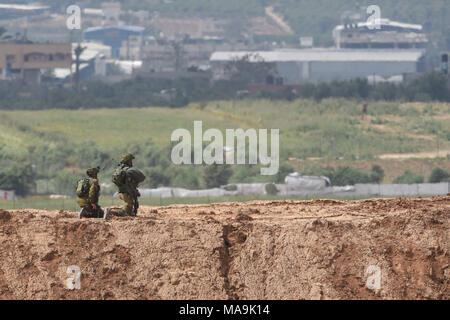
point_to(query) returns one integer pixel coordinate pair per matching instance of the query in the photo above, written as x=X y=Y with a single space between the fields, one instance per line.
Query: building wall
x=326 y=71
x=115 y=38
x=301 y=72
x=35 y=56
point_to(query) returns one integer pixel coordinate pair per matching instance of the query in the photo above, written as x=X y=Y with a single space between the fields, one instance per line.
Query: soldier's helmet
x=93 y=171
x=127 y=158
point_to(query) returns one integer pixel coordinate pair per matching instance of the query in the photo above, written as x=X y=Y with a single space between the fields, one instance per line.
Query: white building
x=321 y=65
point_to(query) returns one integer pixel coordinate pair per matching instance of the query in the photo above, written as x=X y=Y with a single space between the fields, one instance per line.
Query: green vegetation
x=330 y=129
x=58 y=145
x=271 y=189
x=344 y=176
x=217 y=175
x=439 y=175
x=139 y=92
x=70 y=204
x=409 y=177
x=18 y=178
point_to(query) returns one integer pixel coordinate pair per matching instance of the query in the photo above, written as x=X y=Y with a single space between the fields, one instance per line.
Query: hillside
x=305 y=17
x=330 y=129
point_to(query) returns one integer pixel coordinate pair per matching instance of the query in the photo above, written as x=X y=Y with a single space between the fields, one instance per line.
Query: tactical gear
x=93 y=171
x=83 y=187
x=90 y=212
x=135 y=176
x=127 y=179
x=127 y=158
x=119 y=177
x=130 y=204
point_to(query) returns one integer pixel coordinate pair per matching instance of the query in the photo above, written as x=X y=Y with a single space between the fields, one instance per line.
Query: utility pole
x=78 y=51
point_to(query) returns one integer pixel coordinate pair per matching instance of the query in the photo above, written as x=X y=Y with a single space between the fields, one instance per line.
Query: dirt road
x=317 y=249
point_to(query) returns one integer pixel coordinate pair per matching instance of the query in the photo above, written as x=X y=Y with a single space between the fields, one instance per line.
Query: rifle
x=136 y=204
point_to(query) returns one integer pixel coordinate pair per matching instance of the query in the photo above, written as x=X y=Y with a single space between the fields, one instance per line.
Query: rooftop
x=309 y=55
x=115 y=27
x=22 y=7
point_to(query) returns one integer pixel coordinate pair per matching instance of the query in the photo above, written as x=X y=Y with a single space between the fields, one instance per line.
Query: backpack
x=135 y=175
x=83 y=187
x=119 y=177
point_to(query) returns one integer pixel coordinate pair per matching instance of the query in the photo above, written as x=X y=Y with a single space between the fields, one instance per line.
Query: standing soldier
x=127 y=179
x=88 y=192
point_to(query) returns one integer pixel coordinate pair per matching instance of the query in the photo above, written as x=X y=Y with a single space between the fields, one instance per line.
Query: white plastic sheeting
x=296 y=182
x=184 y=193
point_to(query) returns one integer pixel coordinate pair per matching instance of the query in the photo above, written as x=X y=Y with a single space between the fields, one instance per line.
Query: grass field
x=45 y=203
x=42 y=202
x=332 y=128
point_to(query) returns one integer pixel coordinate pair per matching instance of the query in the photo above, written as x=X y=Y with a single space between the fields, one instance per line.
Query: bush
x=66 y=182
x=408 y=177
x=283 y=171
x=377 y=174
x=216 y=175
x=21 y=179
x=345 y=176
x=231 y=187
x=439 y=175
x=271 y=189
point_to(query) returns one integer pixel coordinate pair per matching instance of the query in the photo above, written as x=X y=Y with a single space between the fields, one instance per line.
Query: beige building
x=25 y=60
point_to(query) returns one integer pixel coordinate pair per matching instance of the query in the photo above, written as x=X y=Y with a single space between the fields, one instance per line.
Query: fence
x=358 y=190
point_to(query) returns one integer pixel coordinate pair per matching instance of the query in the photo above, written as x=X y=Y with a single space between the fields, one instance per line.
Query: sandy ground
x=317 y=249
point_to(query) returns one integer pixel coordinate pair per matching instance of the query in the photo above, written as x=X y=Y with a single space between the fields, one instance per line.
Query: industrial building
x=25 y=60
x=125 y=41
x=387 y=35
x=322 y=65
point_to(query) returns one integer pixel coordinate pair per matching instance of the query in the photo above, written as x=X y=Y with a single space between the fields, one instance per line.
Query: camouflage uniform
x=128 y=193
x=93 y=197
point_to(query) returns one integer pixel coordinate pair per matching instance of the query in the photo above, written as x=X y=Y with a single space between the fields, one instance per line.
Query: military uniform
x=93 y=197
x=128 y=192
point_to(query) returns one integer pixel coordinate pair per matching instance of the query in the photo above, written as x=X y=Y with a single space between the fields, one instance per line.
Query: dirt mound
x=322 y=249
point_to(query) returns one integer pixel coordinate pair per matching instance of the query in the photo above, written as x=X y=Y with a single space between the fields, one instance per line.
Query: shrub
x=66 y=182
x=21 y=179
x=271 y=189
x=216 y=175
x=231 y=187
x=377 y=174
x=439 y=175
x=409 y=177
x=283 y=171
x=345 y=176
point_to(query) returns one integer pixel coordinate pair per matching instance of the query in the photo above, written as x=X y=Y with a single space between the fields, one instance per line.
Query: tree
x=283 y=171
x=377 y=174
x=216 y=175
x=249 y=69
x=439 y=175
x=409 y=177
x=347 y=176
x=66 y=182
x=21 y=179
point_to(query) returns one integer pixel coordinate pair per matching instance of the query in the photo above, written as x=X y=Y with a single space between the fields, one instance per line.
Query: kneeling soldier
x=127 y=179
x=88 y=192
